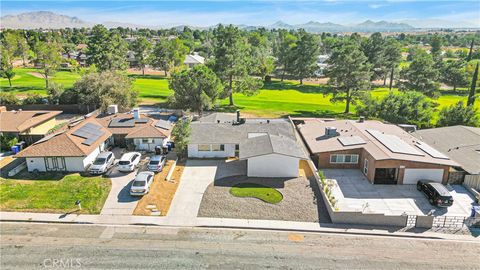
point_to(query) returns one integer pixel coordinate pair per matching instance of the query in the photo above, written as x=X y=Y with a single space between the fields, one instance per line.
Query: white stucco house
x=194 y=59
x=269 y=146
x=72 y=150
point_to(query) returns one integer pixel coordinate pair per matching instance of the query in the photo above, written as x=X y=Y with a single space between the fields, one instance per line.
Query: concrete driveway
x=196 y=177
x=355 y=193
x=119 y=201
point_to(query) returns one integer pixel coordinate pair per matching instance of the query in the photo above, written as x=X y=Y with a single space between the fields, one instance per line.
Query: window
x=149 y=140
x=204 y=147
x=344 y=159
x=218 y=147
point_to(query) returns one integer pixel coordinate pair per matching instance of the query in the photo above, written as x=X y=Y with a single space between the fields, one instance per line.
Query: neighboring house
x=321 y=64
x=28 y=126
x=385 y=153
x=71 y=150
x=193 y=60
x=460 y=143
x=137 y=131
x=131 y=59
x=270 y=146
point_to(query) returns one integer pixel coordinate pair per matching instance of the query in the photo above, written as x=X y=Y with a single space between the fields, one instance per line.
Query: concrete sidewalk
x=230 y=223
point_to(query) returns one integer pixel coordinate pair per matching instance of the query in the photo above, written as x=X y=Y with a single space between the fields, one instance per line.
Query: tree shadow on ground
x=227 y=108
x=322 y=114
x=14 y=88
x=304 y=88
x=139 y=76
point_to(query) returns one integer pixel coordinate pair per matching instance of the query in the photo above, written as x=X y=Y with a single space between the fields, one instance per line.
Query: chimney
x=362 y=119
x=238 y=116
x=136 y=113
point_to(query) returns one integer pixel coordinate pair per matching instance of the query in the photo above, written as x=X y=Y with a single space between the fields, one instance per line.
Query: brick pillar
x=401 y=173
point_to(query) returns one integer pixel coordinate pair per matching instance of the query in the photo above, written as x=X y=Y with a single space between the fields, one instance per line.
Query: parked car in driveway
x=436 y=193
x=156 y=163
x=102 y=163
x=129 y=161
x=141 y=184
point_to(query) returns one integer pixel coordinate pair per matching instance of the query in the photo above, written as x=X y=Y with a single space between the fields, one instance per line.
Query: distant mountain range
x=50 y=20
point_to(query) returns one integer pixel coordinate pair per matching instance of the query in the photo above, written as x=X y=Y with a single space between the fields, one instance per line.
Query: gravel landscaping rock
x=299 y=201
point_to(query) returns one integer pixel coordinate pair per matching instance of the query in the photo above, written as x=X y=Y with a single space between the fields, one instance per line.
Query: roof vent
x=136 y=113
x=331 y=131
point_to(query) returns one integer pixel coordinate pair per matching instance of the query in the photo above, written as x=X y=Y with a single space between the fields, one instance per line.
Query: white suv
x=102 y=163
x=129 y=161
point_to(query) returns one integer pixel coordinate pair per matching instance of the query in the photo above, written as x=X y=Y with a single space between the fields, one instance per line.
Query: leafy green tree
x=47 y=56
x=454 y=74
x=195 y=89
x=262 y=60
x=54 y=92
x=6 y=68
x=458 y=114
x=436 y=44
x=284 y=51
x=33 y=98
x=348 y=72
x=181 y=133
x=399 y=107
x=106 y=88
x=393 y=56
x=7 y=141
x=106 y=50
x=168 y=54
x=374 y=50
x=231 y=62
x=305 y=56
x=141 y=48
x=473 y=87
x=421 y=74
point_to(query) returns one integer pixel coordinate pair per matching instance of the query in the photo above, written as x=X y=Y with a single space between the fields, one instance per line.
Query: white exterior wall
x=149 y=146
x=36 y=164
x=229 y=151
x=273 y=165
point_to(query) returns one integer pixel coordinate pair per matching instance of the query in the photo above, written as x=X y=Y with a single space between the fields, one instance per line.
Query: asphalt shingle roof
x=460 y=143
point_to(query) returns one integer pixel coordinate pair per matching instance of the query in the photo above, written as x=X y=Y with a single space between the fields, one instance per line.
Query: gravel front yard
x=299 y=201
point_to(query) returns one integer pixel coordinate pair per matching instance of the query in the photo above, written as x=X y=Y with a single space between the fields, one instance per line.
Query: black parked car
x=437 y=194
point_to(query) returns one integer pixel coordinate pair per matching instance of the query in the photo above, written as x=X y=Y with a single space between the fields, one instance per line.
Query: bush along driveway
x=53 y=192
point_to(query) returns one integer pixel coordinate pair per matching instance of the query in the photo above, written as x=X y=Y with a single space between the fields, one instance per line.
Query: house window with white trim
x=218 y=147
x=365 y=167
x=204 y=147
x=344 y=159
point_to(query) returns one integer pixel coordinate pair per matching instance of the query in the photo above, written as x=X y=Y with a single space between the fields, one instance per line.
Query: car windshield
x=138 y=183
x=99 y=161
x=124 y=162
x=154 y=162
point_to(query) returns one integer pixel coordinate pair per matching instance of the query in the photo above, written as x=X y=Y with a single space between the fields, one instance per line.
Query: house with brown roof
x=28 y=126
x=385 y=153
x=137 y=131
x=71 y=150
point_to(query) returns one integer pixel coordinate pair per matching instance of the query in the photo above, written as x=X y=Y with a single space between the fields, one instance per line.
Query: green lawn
x=266 y=194
x=53 y=193
x=275 y=99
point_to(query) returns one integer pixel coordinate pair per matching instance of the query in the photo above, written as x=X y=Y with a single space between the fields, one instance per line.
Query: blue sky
x=205 y=13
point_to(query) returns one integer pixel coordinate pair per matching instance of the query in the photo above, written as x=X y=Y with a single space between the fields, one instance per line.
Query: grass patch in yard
x=266 y=194
x=53 y=192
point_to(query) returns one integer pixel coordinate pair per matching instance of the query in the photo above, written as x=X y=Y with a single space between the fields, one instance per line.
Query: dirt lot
x=161 y=192
x=299 y=201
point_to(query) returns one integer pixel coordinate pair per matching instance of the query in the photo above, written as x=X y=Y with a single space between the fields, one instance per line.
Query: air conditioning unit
x=112 y=109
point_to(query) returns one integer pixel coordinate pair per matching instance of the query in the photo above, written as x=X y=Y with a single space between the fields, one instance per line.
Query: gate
x=411 y=221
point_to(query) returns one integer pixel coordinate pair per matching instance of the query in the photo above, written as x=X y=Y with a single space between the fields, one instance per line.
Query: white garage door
x=413 y=175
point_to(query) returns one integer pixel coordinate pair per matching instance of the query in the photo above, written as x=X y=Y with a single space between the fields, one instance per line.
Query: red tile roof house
x=385 y=153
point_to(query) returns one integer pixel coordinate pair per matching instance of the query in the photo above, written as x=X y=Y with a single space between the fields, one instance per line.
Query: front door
x=55 y=164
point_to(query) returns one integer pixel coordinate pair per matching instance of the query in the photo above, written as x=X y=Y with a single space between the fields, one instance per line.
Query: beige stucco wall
x=42 y=128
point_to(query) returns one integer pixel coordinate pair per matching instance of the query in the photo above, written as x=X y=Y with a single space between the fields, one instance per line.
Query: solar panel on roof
x=351 y=140
x=116 y=122
x=141 y=120
x=163 y=124
x=394 y=143
x=431 y=151
x=90 y=132
x=90 y=141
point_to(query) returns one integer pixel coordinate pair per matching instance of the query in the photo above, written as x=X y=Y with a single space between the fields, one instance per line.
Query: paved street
x=196 y=177
x=27 y=246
